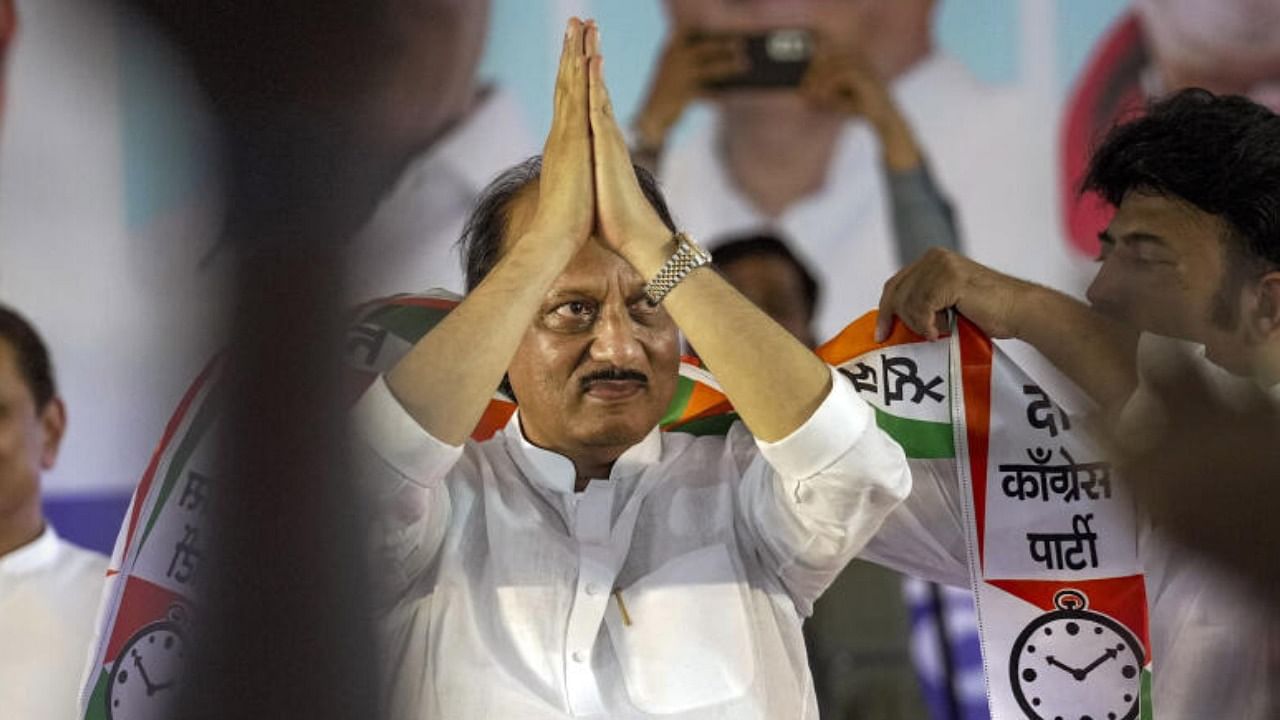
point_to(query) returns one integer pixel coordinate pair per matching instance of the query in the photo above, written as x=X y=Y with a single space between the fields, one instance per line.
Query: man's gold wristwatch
x=687 y=258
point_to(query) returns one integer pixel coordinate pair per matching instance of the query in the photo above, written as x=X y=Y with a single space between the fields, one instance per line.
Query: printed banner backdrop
x=105 y=161
x=1061 y=601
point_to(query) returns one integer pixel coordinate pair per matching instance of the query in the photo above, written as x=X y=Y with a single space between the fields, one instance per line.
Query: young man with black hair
x=1193 y=253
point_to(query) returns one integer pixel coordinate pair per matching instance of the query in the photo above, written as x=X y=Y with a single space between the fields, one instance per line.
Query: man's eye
x=644 y=308
x=574 y=310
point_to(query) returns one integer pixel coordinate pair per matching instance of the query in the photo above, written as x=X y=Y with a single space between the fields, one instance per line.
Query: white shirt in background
x=49 y=593
x=506 y=584
x=410 y=242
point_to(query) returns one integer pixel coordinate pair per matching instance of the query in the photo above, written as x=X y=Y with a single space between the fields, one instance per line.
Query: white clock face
x=143 y=680
x=1077 y=665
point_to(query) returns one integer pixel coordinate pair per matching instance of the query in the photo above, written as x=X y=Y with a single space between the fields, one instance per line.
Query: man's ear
x=53 y=422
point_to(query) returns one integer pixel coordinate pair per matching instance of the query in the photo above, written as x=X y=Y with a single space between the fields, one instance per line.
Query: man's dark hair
x=481 y=242
x=32 y=355
x=731 y=250
x=1218 y=153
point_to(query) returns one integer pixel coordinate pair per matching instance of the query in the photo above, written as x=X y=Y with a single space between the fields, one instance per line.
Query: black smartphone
x=776 y=59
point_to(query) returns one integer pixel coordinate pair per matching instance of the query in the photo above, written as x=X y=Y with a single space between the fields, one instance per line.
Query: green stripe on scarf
x=205 y=415
x=679 y=401
x=1147 y=711
x=920 y=439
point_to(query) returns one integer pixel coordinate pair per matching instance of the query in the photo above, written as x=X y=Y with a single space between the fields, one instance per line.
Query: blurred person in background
x=49 y=588
x=811 y=160
x=452 y=133
x=1190 y=265
x=1158 y=47
x=763 y=268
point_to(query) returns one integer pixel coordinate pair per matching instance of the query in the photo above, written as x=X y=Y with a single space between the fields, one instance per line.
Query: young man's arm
x=1094 y=351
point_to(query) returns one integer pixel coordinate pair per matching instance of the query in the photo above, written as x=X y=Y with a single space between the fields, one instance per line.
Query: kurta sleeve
x=814 y=498
x=924 y=536
x=402 y=469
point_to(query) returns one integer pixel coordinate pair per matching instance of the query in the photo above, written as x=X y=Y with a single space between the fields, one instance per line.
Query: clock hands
x=1080 y=675
x=1110 y=654
x=152 y=688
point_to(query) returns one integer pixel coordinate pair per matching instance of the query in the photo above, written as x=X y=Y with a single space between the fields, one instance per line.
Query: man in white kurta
x=49 y=589
x=49 y=592
x=716 y=547
x=581 y=563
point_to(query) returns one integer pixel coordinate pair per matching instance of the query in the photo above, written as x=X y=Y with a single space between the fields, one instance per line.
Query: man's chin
x=616 y=429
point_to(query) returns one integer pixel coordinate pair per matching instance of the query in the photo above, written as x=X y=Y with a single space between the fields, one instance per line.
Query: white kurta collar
x=555 y=472
x=35 y=555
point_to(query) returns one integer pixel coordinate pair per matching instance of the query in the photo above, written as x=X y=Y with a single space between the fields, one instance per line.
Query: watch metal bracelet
x=687 y=258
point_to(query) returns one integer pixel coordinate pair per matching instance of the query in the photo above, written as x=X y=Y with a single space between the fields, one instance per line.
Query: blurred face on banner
x=1226 y=46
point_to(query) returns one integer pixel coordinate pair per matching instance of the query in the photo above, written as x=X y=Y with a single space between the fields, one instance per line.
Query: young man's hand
x=919 y=294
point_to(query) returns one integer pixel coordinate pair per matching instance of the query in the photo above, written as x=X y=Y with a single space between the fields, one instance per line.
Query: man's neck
x=595 y=464
x=20 y=528
x=776 y=161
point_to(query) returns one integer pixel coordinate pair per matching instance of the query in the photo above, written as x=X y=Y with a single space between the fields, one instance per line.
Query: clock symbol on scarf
x=144 y=677
x=1075 y=664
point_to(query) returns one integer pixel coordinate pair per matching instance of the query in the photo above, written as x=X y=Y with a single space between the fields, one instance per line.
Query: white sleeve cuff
x=828 y=434
x=395 y=437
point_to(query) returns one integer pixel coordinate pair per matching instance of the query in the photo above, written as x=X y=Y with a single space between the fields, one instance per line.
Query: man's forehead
x=11 y=379
x=1169 y=218
x=591 y=270
x=594 y=269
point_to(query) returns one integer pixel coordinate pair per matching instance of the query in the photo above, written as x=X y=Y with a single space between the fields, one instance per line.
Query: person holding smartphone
x=817 y=107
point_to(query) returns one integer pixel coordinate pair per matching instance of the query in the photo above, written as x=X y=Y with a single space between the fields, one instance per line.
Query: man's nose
x=1106 y=291
x=615 y=341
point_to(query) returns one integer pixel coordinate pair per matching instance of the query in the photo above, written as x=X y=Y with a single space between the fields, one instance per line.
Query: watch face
x=143 y=680
x=1076 y=665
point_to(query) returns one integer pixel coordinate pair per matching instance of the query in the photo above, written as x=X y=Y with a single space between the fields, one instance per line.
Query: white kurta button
x=579 y=656
x=593 y=589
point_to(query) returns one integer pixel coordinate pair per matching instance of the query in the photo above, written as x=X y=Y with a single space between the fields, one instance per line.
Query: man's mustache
x=614 y=375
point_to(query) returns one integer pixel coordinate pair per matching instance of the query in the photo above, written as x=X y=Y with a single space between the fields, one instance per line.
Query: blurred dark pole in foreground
x=284 y=630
